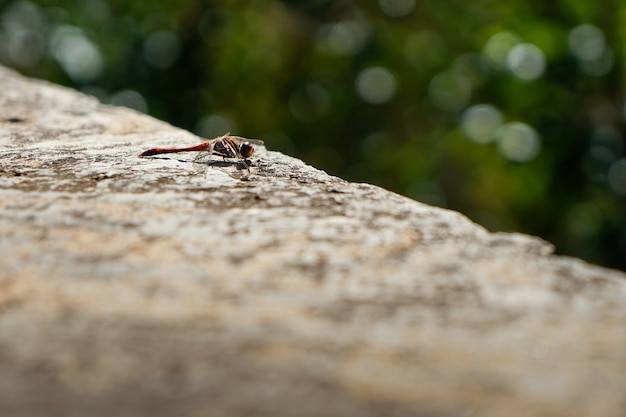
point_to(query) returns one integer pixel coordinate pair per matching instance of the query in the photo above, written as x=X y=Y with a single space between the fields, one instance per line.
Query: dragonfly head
x=246 y=150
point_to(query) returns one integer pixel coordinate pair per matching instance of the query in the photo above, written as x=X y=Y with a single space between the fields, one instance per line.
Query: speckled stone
x=159 y=287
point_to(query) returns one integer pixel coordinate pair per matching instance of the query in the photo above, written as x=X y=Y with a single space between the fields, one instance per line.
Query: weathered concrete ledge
x=147 y=287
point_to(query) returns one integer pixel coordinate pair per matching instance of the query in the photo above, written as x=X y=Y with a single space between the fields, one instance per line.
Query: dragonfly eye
x=246 y=149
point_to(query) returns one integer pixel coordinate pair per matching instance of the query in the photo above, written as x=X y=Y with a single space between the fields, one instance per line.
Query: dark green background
x=292 y=73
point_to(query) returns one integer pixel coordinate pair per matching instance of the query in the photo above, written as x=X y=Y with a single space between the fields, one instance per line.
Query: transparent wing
x=202 y=161
x=253 y=142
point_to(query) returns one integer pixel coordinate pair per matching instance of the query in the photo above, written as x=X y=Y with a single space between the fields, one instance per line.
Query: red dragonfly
x=226 y=146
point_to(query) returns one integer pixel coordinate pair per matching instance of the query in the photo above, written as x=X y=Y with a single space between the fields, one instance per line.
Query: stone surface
x=158 y=287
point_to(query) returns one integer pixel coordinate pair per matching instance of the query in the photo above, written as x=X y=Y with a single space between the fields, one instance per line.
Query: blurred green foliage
x=510 y=112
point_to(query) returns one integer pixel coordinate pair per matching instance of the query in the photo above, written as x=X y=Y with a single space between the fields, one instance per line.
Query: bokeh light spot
x=606 y=140
x=131 y=99
x=586 y=42
x=376 y=85
x=80 y=58
x=518 y=142
x=397 y=8
x=26 y=48
x=161 y=49
x=481 y=123
x=215 y=125
x=497 y=49
x=343 y=38
x=526 y=61
x=20 y=16
x=449 y=91
x=617 y=177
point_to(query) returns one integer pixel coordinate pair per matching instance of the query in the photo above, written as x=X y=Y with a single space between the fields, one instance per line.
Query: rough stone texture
x=149 y=287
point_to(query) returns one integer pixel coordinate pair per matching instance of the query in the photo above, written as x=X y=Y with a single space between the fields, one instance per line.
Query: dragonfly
x=226 y=146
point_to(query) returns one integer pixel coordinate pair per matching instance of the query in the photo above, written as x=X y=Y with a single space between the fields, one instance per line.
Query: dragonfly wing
x=254 y=142
x=204 y=158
